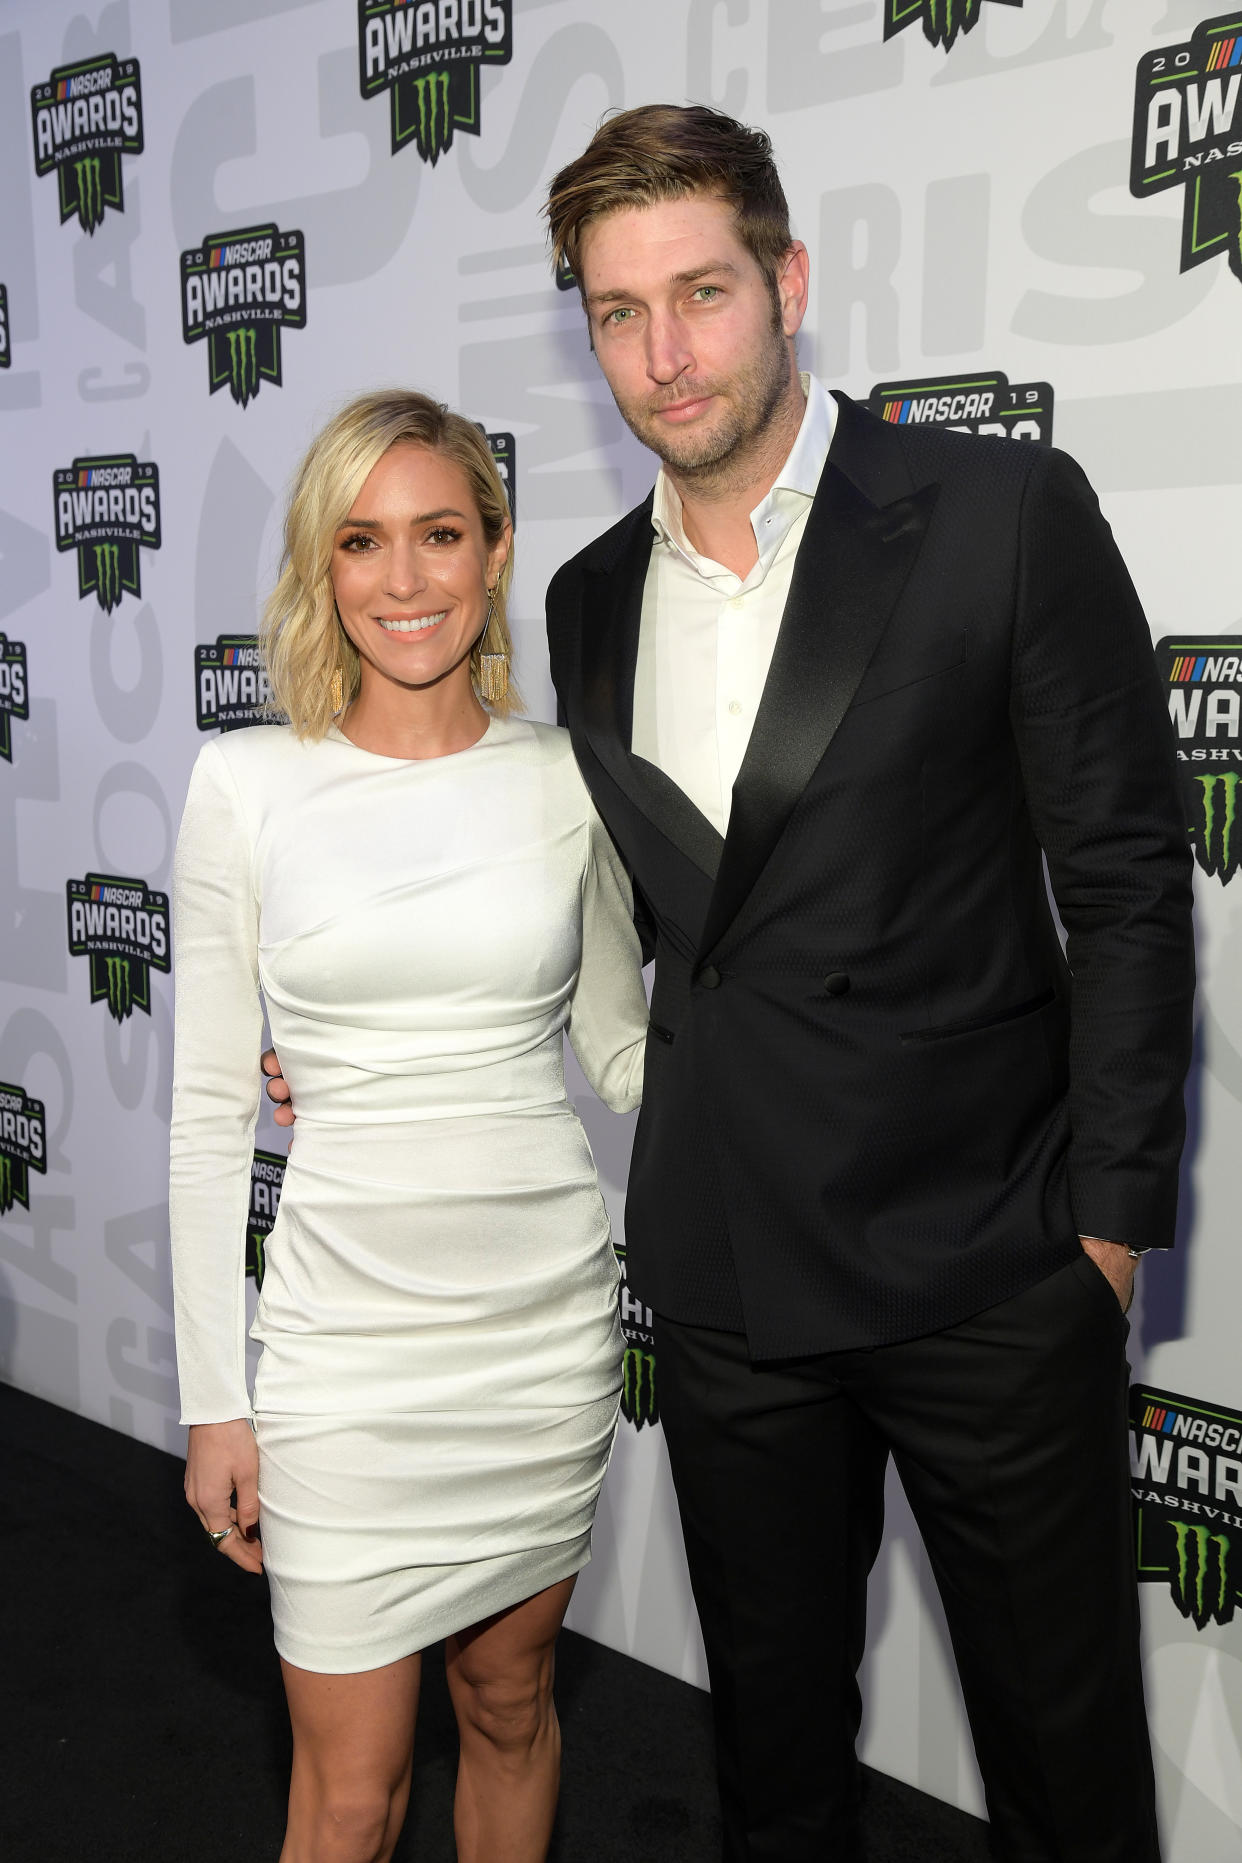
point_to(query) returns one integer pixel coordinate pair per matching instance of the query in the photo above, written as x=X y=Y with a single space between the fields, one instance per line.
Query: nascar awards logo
x=122 y=927
x=6 y=359
x=231 y=686
x=106 y=510
x=85 y=118
x=942 y=20
x=969 y=404
x=640 y=1401
x=23 y=1145
x=14 y=693
x=504 y=452
x=267 y=1176
x=1204 y=679
x=1188 y=133
x=1187 y=1488
x=428 y=58
x=238 y=291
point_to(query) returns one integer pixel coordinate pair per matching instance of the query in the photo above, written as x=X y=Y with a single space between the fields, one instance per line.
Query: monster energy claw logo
x=6 y=1183
x=943 y=20
x=1218 y=854
x=1203 y=677
x=428 y=58
x=1201 y=1574
x=256 y=1264
x=639 y=1401
x=1187 y=133
x=108 y=574
x=435 y=128
x=122 y=927
x=84 y=119
x=243 y=365
x=120 y=990
x=1187 y=1488
x=89 y=174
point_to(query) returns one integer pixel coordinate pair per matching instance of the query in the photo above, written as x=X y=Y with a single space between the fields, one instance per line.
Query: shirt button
x=735 y=710
x=709 y=977
x=836 y=983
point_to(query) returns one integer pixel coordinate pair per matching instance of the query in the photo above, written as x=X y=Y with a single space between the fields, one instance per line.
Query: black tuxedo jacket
x=878 y=1098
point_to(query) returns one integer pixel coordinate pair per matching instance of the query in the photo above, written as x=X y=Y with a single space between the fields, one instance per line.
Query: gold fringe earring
x=493 y=667
x=336 y=692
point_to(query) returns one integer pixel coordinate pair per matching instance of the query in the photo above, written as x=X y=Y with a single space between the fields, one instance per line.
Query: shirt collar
x=800 y=473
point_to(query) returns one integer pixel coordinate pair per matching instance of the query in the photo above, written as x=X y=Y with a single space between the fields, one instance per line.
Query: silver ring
x=220 y=1534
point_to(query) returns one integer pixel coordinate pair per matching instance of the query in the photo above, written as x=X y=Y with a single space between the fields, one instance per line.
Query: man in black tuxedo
x=837 y=689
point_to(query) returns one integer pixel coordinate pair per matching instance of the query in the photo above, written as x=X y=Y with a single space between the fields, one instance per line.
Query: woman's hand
x=223 y=1463
x=277 y=1088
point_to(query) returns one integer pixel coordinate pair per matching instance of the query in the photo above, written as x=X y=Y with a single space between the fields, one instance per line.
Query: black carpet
x=146 y=1724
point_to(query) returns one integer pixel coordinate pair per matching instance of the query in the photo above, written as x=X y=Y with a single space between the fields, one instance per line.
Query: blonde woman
x=413 y=880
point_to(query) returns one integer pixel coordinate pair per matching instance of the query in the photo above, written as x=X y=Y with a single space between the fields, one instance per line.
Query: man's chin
x=688 y=451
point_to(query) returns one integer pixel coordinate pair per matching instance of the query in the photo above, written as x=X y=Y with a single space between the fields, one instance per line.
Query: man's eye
x=622 y=314
x=707 y=294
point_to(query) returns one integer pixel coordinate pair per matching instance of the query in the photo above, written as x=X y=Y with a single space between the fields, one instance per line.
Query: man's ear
x=793 y=286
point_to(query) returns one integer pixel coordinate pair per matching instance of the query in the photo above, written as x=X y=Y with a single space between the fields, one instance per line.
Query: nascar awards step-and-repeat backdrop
x=219 y=221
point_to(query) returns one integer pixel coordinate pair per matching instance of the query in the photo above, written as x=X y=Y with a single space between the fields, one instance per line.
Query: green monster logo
x=943 y=20
x=6 y=1184
x=120 y=987
x=256 y=1263
x=243 y=364
x=88 y=173
x=639 y=1402
x=1200 y=1577
x=1216 y=853
x=435 y=125
x=108 y=574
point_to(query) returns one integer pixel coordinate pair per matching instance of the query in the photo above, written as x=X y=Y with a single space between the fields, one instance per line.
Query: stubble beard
x=708 y=461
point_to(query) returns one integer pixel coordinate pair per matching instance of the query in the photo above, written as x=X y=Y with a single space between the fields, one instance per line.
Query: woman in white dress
x=418 y=888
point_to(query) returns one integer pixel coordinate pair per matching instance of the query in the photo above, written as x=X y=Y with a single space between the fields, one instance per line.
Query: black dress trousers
x=1009 y=1433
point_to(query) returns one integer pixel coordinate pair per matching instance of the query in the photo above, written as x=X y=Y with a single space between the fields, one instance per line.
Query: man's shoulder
x=940 y=454
x=605 y=551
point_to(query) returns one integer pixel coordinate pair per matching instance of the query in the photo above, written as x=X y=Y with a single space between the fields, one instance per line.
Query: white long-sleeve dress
x=437 y=1392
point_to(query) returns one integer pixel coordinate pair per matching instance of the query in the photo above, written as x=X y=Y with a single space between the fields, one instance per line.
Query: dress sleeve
x=219 y=1027
x=608 y=1014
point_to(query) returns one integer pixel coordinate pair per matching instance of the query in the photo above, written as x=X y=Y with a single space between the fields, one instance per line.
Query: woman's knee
x=510 y=1712
x=352 y=1820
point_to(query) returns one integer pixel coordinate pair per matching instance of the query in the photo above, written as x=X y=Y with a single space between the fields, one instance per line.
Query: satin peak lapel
x=853 y=563
x=612 y=601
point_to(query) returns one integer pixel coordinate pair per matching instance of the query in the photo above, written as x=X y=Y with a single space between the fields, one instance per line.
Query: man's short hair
x=664 y=152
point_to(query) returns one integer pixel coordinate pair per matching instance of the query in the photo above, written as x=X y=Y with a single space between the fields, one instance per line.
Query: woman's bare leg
x=353 y=1750
x=500 y=1678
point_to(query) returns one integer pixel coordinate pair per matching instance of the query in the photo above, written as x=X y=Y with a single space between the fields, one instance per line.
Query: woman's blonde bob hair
x=304 y=644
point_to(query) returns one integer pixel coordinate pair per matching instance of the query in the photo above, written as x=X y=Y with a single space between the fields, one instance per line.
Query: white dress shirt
x=707 y=636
